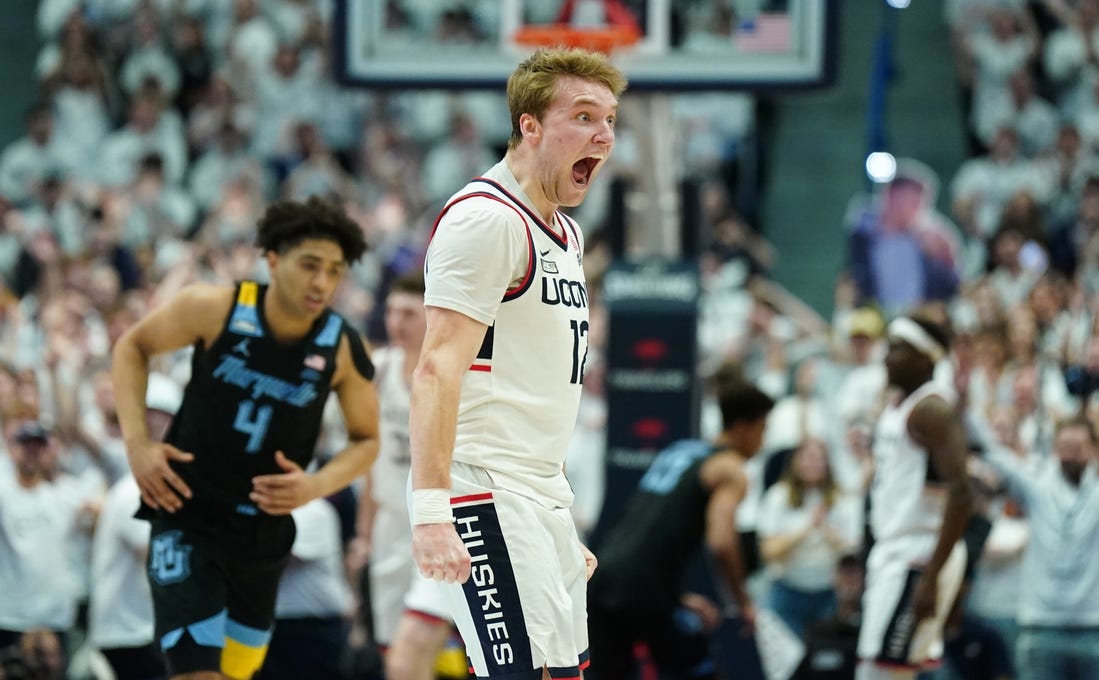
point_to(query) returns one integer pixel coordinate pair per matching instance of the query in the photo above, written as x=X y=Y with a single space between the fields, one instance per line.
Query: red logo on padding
x=650 y=349
x=650 y=428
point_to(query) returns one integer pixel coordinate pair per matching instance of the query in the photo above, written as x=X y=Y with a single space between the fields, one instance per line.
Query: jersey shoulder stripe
x=559 y=239
x=330 y=334
x=572 y=224
x=244 y=319
x=524 y=284
x=528 y=277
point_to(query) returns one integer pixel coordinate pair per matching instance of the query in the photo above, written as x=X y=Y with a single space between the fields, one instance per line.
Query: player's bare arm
x=724 y=474
x=279 y=494
x=193 y=316
x=450 y=347
x=934 y=425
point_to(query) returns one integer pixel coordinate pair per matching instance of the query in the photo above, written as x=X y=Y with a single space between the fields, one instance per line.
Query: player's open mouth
x=582 y=170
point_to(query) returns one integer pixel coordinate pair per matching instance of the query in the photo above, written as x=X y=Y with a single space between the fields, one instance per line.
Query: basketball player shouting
x=496 y=390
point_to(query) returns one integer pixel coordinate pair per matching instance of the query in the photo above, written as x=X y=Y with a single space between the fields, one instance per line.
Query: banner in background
x=651 y=386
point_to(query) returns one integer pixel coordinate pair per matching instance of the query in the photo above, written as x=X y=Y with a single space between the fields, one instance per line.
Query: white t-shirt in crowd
x=36 y=527
x=811 y=564
x=121 y=607
x=314 y=584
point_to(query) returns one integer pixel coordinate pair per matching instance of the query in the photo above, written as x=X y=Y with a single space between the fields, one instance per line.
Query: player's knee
x=402 y=664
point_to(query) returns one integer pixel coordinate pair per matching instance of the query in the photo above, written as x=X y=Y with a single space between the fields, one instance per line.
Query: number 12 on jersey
x=579 y=331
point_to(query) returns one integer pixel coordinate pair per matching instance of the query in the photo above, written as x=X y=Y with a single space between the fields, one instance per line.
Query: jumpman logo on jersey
x=242 y=347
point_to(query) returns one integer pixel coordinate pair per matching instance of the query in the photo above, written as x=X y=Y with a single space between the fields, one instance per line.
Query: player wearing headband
x=920 y=505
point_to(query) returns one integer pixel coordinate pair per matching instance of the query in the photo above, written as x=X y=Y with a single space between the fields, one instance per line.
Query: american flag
x=766 y=32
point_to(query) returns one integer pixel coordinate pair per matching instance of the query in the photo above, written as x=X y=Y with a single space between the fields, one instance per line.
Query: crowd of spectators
x=1008 y=259
x=165 y=126
x=161 y=130
x=1009 y=264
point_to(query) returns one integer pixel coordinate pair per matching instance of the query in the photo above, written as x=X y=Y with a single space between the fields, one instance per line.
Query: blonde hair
x=795 y=484
x=532 y=86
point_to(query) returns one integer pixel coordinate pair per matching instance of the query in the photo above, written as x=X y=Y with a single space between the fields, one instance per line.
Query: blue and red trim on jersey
x=571 y=672
x=573 y=225
x=472 y=499
x=483 y=362
x=559 y=239
x=426 y=616
x=564 y=672
x=524 y=283
x=492 y=592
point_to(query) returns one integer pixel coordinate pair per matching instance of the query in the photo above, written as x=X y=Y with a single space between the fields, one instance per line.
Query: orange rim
x=563 y=35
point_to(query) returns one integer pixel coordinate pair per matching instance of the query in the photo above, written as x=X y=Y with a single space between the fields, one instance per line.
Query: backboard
x=682 y=45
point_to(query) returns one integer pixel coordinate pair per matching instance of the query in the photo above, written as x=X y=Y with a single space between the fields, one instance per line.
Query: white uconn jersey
x=493 y=259
x=904 y=499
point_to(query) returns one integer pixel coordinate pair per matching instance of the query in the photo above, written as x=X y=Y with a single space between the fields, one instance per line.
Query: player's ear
x=529 y=125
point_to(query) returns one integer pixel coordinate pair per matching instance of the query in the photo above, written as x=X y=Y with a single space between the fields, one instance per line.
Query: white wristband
x=431 y=506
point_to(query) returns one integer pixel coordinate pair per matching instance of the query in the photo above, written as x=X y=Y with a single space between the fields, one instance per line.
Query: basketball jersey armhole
x=524 y=284
x=359 y=356
x=509 y=201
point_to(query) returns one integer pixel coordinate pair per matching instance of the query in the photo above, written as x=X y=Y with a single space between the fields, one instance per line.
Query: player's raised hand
x=160 y=486
x=280 y=493
x=439 y=553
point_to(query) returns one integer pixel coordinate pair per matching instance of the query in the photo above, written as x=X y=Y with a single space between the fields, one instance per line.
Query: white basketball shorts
x=391 y=569
x=890 y=636
x=524 y=606
x=427 y=598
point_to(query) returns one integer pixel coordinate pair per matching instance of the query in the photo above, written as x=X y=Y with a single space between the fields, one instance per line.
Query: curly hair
x=287 y=223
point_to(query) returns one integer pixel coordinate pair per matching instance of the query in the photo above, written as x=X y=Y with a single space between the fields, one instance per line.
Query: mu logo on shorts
x=169 y=560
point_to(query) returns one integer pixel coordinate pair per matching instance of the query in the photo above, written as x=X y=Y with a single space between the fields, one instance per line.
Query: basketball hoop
x=604 y=39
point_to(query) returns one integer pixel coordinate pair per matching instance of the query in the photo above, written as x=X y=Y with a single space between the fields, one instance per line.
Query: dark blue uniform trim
x=492 y=594
x=559 y=239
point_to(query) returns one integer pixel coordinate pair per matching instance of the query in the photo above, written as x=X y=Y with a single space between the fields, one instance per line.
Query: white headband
x=903 y=328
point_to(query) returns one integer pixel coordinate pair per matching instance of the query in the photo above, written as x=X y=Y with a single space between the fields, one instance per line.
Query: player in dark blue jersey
x=219 y=490
x=687 y=498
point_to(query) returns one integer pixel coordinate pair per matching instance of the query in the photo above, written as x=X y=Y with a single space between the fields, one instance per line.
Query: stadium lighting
x=898 y=4
x=881 y=166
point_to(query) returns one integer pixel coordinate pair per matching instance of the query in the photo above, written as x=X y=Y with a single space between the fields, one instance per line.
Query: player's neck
x=284 y=326
x=521 y=164
x=731 y=444
x=908 y=389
